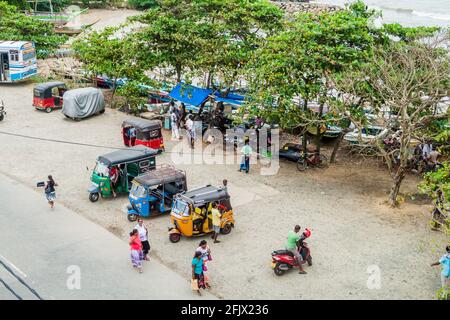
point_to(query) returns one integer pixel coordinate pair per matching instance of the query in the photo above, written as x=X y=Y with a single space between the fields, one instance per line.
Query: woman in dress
x=136 y=250
x=197 y=272
x=50 y=192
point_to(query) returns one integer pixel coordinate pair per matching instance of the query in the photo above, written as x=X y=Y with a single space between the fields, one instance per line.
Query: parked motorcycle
x=2 y=111
x=283 y=260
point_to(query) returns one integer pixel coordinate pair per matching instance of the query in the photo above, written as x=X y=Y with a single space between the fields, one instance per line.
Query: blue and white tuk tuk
x=152 y=193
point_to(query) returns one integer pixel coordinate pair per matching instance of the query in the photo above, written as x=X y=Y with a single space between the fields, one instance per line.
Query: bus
x=17 y=60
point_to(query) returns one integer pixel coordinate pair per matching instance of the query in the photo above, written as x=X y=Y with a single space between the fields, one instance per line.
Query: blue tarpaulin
x=230 y=101
x=190 y=94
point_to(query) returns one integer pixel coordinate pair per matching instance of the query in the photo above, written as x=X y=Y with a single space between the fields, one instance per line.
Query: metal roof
x=132 y=154
x=13 y=44
x=48 y=85
x=142 y=124
x=161 y=175
x=208 y=193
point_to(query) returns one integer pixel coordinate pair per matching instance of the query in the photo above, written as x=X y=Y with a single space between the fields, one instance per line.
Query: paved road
x=42 y=250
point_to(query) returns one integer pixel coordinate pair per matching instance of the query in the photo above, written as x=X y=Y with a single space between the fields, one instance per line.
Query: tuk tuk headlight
x=102 y=184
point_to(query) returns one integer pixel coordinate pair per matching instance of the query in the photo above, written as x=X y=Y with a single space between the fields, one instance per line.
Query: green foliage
x=135 y=96
x=297 y=61
x=437 y=186
x=17 y=26
x=408 y=34
x=58 y=5
x=143 y=4
x=20 y=4
x=111 y=53
x=206 y=37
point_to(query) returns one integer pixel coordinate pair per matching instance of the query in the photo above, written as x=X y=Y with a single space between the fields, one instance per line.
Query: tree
x=408 y=79
x=113 y=53
x=437 y=186
x=143 y=4
x=211 y=39
x=17 y=26
x=231 y=31
x=169 y=32
x=291 y=69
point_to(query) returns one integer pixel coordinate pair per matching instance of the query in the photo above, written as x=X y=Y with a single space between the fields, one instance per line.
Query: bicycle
x=319 y=161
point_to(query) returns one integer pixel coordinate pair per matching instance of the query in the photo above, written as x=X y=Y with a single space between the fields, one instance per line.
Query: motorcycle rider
x=292 y=239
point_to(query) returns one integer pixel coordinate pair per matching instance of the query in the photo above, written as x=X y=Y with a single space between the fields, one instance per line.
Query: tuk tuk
x=118 y=169
x=143 y=132
x=152 y=193
x=48 y=96
x=191 y=212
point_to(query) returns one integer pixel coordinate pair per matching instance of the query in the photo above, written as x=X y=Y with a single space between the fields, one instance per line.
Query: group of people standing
x=202 y=257
x=179 y=119
x=139 y=245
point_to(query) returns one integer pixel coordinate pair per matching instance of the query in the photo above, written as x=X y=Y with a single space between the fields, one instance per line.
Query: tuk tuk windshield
x=137 y=190
x=101 y=169
x=181 y=208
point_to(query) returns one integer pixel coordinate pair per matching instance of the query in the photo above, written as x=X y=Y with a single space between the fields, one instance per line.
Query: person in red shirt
x=136 y=250
x=114 y=177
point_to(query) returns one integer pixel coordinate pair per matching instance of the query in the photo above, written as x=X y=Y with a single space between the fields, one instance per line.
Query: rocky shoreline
x=294 y=6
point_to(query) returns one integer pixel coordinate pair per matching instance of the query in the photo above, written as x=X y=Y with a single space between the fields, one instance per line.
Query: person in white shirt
x=174 y=125
x=191 y=129
x=143 y=236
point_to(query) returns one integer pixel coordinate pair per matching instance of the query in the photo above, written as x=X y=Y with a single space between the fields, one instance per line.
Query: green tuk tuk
x=114 y=172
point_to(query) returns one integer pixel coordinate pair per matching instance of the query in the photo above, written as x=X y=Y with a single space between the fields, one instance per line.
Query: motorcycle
x=283 y=260
x=2 y=111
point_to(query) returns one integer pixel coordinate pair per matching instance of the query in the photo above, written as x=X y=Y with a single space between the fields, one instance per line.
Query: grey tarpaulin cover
x=83 y=102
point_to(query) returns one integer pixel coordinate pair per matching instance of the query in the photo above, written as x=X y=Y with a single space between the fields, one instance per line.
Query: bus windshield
x=29 y=54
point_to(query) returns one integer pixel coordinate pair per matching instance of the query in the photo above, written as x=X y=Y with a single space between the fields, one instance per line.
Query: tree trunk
x=395 y=189
x=178 y=70
x=304 y=138
x=337 y=144
x=318 y=133
x=113 y=92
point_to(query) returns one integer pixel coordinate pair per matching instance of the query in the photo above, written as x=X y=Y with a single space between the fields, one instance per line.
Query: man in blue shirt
x=445 y=274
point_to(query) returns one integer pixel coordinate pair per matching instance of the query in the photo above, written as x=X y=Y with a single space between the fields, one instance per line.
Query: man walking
x=246 y=153
x=292 y=239
x=445 y=274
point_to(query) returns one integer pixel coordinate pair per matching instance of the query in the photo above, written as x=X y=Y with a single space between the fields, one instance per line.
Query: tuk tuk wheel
x=94 y=196
x=132 y=217
x=1 y=117
x=48 y=110
x=226 y=229
x=174 y=237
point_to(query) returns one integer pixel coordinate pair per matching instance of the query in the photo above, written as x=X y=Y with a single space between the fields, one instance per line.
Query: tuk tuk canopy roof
x=205 y=194
x=49 y=85
x=161 y=175
x=142 y=124
x=133 y=154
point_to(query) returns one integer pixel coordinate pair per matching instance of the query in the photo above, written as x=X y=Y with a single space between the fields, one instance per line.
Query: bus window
x=29 y=54
x=14 y=55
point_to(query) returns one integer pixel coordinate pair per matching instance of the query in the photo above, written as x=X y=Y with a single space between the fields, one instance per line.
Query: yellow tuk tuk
x=191 y=212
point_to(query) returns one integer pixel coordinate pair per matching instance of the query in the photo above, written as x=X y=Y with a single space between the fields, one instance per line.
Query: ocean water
x=408 y=12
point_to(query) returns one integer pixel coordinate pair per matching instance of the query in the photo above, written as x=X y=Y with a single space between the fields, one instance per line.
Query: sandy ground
x=343 y=205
